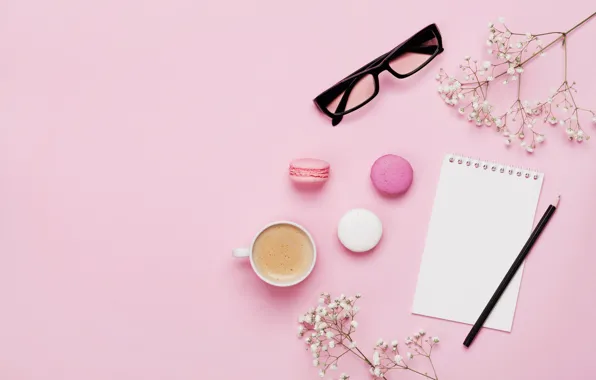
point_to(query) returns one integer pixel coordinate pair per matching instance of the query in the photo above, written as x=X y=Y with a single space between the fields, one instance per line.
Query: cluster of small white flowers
x=327 y=327
x=511 y=51
x=327 y=331
x=386 y=356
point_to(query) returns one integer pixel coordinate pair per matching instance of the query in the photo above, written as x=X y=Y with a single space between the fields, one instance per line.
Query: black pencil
x=514 y=267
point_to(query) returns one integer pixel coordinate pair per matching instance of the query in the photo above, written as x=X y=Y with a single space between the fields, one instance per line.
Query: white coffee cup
x=248 y=252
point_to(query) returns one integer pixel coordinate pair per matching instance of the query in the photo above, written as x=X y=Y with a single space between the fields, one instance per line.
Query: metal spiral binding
x=494 y=167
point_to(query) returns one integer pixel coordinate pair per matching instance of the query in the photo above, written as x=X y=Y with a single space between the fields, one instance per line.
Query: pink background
x=140 y=141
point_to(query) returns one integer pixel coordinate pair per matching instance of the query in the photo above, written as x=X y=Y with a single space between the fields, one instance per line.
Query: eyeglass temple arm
x=341 y=107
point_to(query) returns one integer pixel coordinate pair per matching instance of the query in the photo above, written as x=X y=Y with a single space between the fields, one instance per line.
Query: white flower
x=510 y=70
x=356 y=309
x=507 y=141
x=353 y=344
x=318 y=318
x=490 y=51
x=301 y=329
x=409 y=355
x=519 y=45
x=398 y=359
x=333 y=367
x=438 y=77
x=343 y=376
x=529 y=149
x=315 y=355
x=315 y=362
x=321 y=373
x=394 y=343
x=343 y=305
x=332 y=305
x=505 y=82
x=498 y=122
x=489 y=78
x=540 y=138
x=580 y=133
x=489 y=43
x=354 y=324
x=490 y=25
x=314 y=347
x=324 y=348
x=329 y=334
x=529 y=35
x=301 y=319
x=332 y=344
x=376 y=358
x=435 y=339
x=377 y=372
x=486 y=64
x=321 y=300
x=501 y=19
x=358 y=295
x=462 y=111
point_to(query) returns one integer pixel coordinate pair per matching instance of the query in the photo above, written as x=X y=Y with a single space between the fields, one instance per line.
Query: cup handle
x=241 y=252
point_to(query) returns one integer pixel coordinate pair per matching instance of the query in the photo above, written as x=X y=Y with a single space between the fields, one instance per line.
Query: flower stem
x=563 y=37
x=565 y=50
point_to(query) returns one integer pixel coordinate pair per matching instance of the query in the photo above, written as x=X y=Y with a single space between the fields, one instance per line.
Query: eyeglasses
x=360 y=87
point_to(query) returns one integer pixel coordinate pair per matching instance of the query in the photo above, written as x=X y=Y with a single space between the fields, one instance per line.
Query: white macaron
x=359 y=230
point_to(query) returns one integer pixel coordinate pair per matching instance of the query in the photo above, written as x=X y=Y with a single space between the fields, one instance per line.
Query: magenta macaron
x=391 y=174
x=309 y=170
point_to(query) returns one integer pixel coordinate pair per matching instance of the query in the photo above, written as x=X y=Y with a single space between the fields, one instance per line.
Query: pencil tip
x=557 y=201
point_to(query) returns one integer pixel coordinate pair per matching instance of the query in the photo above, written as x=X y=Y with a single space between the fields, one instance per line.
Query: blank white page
x=482 y=216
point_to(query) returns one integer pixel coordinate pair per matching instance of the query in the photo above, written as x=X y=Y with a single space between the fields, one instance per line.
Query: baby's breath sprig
x=328 y=331
x=510 y=52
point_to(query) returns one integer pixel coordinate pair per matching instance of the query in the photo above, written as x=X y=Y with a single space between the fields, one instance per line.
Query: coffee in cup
x=282 y=254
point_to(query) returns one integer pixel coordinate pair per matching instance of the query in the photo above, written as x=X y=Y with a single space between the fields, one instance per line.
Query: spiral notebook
x=482 y=216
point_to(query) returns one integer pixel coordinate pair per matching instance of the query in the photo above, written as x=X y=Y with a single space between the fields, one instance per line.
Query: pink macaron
x=309 y=170
x=391 y=174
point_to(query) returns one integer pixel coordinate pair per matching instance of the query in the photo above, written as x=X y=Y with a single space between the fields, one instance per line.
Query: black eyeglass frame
x=374 y=68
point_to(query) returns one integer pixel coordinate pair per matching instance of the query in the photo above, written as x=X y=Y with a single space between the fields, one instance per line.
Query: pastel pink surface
x=140 y=141
x=392 y=174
